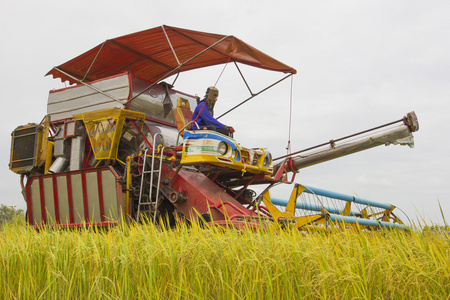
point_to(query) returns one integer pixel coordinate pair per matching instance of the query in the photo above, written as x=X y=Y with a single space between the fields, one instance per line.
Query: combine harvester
x=119 y=144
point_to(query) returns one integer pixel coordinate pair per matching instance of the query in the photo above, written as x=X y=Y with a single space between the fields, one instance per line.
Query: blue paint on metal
x=311 y=207
x=325 y=193
x=206 y=134
x=365 y=222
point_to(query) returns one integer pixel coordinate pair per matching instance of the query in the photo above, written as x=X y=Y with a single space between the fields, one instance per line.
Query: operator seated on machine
x=204 y=111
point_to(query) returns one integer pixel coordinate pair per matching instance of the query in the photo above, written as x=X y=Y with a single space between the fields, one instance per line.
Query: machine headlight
x=222 y=148
x=267 y=160
x=235 y=154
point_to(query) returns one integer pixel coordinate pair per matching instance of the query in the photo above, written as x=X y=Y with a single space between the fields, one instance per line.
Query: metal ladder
x=152 y=171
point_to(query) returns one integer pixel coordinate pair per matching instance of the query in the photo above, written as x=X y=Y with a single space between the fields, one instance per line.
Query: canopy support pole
x=254 y=95
x=90 y=67
x=243 y=78
x=176 y=69
x=170 y=44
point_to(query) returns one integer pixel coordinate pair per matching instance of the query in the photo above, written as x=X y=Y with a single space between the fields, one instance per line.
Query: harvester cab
x=121 y=144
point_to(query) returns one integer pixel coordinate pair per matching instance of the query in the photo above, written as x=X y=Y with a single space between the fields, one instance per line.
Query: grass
x=142 y=262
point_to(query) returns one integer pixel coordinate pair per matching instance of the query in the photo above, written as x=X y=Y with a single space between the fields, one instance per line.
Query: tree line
x=10 y=213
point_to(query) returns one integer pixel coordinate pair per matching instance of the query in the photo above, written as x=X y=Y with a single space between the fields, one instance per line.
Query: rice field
x=143 y=262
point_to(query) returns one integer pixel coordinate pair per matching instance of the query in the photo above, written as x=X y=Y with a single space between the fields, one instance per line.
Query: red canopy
x=148 y=55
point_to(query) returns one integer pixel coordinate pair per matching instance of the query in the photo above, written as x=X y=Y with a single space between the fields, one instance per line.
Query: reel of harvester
x=289 y=216
x=313 y=208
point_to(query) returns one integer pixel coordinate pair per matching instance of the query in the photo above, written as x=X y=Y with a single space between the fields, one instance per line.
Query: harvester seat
x=183 y=114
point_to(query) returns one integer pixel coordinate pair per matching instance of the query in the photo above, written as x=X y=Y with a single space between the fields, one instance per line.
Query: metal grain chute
x=382 y=135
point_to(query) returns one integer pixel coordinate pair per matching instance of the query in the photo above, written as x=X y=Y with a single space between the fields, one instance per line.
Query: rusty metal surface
x=205 y=197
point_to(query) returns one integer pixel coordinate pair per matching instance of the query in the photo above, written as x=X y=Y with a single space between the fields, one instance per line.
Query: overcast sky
x=360 y=64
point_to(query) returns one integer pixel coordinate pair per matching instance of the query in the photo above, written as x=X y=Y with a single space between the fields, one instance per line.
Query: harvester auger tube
x=399 y=134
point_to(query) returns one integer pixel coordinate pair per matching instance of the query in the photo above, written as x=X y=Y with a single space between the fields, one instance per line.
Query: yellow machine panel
x=104 y=129
x=28 y=147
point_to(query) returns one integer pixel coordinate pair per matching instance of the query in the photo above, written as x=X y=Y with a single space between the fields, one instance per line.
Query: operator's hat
x=212 y=93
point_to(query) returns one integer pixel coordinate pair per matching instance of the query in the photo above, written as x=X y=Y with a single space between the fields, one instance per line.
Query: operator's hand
x=229 y=129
